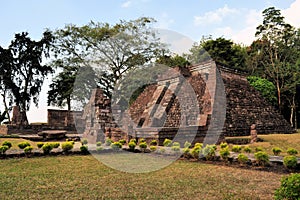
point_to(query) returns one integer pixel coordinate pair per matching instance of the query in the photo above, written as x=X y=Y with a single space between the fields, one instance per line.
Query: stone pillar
x=253 y=133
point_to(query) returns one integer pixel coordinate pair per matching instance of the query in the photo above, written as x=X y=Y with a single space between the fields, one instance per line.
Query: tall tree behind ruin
x=23 y=71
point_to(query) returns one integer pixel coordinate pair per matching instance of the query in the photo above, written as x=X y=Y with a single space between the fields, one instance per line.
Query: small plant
x=67 y=146
x=162 y=150
x=99 y=148
x=292 y=151
x=187 y=144
x=200 y=145
x=262 y=158
x=3 y=149
x=84 y=141
x=290 y=162
x=7 y=143
x=167 y=142
x=141 y=140
x=99 y=144
x=236 y=148
x=153 y=143
x=122 y=141
x=108 y=142
x=276 y=151
x=28 y=149
x=247 y=149
x=258 y=149
x=39 y=144
x=209 y=152
x=116 y=146
x=223 y=145
x=175 y=148
x=153 y=148
x=46 y=148
x=56 y=144
x=22 y=145
x=176 y=144
x=133 y=140
x=195 y=152
x=132 y=145
x=186 y=152
x=242 y=158
x=289 y=188
x=84 y=149
x=225 y=153
x=143 y=146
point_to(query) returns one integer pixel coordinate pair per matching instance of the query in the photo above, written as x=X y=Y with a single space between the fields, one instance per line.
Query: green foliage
x=257 y=149
x=84 y=141
x=276 y=151
x=99 y=148
x=265 y=87
x=153 y=148
x=153 y=142
x=242 y=158
x=122 y=141
x=173 y=61
x=22 y=145
x=67 y=146
x=186 y=152
x=289 y=188
x=195 y=151
x=262 y=158
x=39 y=144
x=98 y=144
x=132 y=145
x=200 y=145
x=57 y=144
x=7 y=143
x=223 y=145
x=247 y=149
x=236 y=148
x=187 y=144
x=28 y=149
x=46 y=148
x=143 y=145
x=224 y=153
x=167 y=142
x=116 y=145
x=290 y=162
x=141 y=140
x=108 y=142
x=176 y=144
x=175 y=148
x=209 y=152
x=292 y=151
x=3 y=149
x=133 y=140
x=84 y=149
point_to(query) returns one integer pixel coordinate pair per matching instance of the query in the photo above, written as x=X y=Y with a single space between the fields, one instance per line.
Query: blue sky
x=233 y=19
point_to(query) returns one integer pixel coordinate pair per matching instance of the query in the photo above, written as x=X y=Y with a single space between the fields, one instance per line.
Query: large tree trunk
x=6 y=107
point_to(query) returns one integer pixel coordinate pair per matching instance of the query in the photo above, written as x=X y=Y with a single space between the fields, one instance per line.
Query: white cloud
x=164 y=21
x=215 y=16
x=126 y=4
x=292 y=14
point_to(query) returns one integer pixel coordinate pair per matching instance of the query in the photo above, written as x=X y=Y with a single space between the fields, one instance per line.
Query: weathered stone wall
x=62 y=118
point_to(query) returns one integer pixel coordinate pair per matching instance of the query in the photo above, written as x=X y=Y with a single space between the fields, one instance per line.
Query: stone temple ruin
x=159 y=113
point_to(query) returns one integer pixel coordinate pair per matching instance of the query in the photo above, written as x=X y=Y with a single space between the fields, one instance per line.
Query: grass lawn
x=84 y=177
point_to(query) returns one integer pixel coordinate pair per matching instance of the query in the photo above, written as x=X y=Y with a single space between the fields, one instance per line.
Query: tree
x=24 y=73
x=111 y=49
x=222 y=51
x=173 y=61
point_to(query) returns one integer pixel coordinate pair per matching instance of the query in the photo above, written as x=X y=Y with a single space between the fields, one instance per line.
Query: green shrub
x=236 y=148
x=122 y=141
x=84 y=141
x=162 y=150
x=262 y=158
x=186 y=152
x=224 y=153
x=276 y=151
x=195 y=151
x=209 y=152
x=167 y=142
x=153 y=148
x=142 y=140
x=290 y=162
x=242 y=158
x=28 y=149
x=176 y=144
x=223 y=145
x=99 y=144
x=133 y=140
x=46 y=148
x=214 y=147
x=258 y=149
x=175 y=148
x=289 y=188
x=187 y=144
x=108 y=142
x=132 y=145
x=39 y=144
x=292 y=151
x=84 y=149
x=22 y=145
x=99 y=148
x=67 y=146
x=200 y=145
x=7 y=143
x=56 y=144
x=3 y=149
x=247 y=149
x=143 y=146
x=153 y=143
x=116 y=145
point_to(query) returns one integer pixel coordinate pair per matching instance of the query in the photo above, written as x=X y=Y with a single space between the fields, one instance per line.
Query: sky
x=189 y=19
